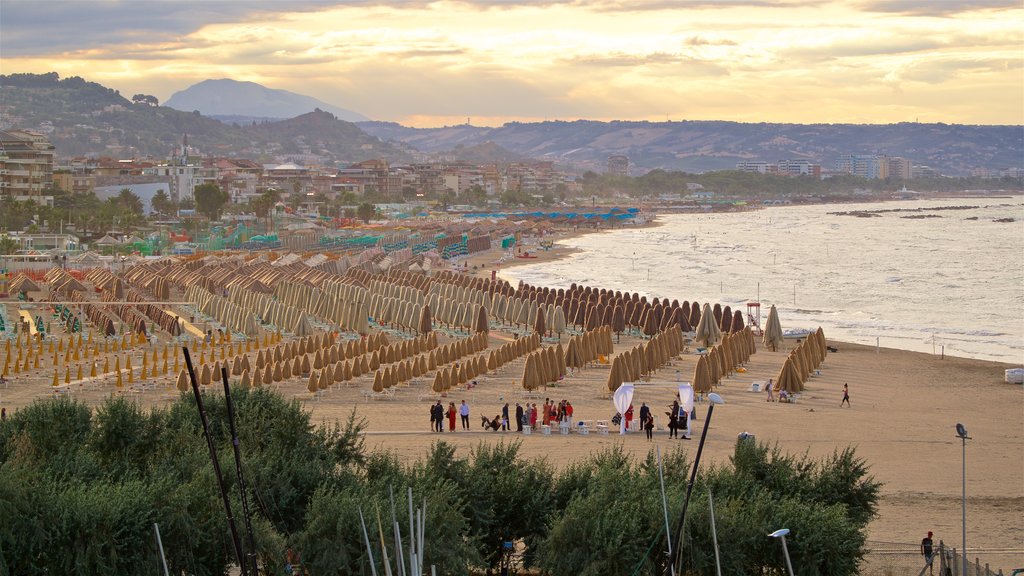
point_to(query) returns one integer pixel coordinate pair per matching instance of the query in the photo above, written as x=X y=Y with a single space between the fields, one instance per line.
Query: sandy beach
x=904 y=408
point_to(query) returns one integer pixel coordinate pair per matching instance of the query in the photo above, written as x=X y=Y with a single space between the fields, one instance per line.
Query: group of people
x=678 y=420
x=438 y=414
x=550 y=414
x=526 y=415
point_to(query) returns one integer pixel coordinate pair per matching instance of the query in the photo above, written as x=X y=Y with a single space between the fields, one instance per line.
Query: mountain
x=698 y=146
x=83 y=118
x=226 y=97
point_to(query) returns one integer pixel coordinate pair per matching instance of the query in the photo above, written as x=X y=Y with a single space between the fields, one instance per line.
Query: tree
x=161 y=203
x=474 y=195
x=8 y=245
x=145 y=99
x=366 y=212
x=210 y=200
x=129 y=201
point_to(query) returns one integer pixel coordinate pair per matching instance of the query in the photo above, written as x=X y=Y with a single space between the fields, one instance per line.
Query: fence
x=903 y=559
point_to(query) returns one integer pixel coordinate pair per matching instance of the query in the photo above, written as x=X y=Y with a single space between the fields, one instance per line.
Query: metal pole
x=963 y=501
x=216 y=464
x=366 y=538
x=160 y=546
x=785 y=552
x=250 y=539
x=664 y=506
x=689 y=485
x=714 y=535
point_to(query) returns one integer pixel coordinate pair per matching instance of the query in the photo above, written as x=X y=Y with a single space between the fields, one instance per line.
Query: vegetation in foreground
x=80 y=491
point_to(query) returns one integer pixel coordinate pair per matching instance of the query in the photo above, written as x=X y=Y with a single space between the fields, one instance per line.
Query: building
x=618 y=165
x=925 y=172
x=863 y=165
x=782 y=167
x=799 y=168
x=74 y=182
x=47 y=242
x=756 y=166
x=26 y=163
x=899 y=168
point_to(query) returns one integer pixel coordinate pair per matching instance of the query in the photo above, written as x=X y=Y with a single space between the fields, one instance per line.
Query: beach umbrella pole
x=250 y=539
x=714 y=534
x=216 y=464
x=366 y=539
x=664 y=506
x=715 y=399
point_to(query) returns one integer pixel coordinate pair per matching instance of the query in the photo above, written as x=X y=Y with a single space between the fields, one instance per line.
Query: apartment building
x=618 y=165
x=26 y=163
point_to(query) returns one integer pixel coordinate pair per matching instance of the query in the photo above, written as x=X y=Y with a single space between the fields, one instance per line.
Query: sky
x=423 y=63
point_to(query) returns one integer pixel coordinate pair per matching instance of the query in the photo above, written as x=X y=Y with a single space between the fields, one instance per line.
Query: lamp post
x=713 y=399
x=781 y=535
x=961 y=433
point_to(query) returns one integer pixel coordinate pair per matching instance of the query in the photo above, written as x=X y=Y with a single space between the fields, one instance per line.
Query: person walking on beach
x=771 y=393
x=648 y=424
x=629 y=416
x=504 y=418
x=533 y=416
x=673 y=420
x=846 y=396
x=464 y=412
x=519 y=417
x=451 y=416
x=926 y=551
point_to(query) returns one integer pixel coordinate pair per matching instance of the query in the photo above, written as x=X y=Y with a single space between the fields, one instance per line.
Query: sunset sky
x=428 y=63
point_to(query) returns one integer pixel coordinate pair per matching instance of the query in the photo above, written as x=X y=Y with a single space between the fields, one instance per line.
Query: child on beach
x=771 y=393
x=846 y=396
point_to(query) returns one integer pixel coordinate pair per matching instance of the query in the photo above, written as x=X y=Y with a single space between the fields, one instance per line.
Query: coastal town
x=511 y=288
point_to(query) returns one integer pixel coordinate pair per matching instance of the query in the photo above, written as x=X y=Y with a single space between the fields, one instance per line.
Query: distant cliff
x=700 y=146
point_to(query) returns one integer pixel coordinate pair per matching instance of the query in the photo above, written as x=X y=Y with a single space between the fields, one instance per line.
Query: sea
x=942 y=276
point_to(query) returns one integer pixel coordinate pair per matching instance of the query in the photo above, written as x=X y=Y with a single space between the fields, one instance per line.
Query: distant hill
x=698 y=146
x=83 y=118
x=226 y=97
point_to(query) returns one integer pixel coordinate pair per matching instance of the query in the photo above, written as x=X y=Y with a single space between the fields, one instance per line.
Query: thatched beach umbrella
x=707 y=328
x=788 y=378
x=702 y=380
x=615 y=375
x=773 y=336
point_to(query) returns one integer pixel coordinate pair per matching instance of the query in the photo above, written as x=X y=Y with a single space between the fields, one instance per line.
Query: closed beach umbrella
x=615 y=375
x=702 y=376
x=707 y=328
x=772 y=330
x=540 y=323
x=788 y=378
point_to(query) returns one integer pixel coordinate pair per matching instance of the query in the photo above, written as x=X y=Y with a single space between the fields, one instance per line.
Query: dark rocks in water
x=1005 y=220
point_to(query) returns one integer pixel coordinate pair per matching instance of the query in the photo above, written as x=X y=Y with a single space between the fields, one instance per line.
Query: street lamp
x=713 y=399
x=781 y=535
x=961 y=433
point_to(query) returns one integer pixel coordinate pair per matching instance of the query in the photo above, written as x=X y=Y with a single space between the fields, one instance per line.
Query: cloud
x=31 y=27
x=938 y=71
x=703 y=41
x=680 y=63
x=936 y=7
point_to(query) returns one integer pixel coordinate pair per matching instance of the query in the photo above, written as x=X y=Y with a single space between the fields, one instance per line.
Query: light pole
x=674 y=554
x=781 y=535
x=961 y=433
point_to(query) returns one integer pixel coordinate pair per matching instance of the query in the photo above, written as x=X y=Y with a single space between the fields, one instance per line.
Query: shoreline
x=486 y=261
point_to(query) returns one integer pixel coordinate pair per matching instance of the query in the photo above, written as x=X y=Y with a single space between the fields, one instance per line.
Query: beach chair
x=564 y=427
x=545 y=429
